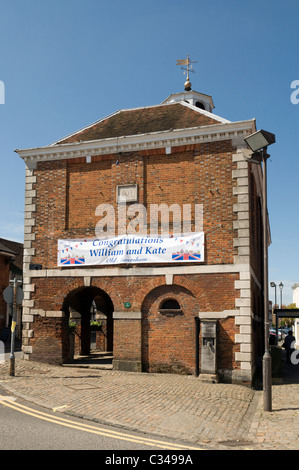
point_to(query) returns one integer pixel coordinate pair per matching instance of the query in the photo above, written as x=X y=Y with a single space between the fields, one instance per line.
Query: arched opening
x=170 y=304
x=199 y=105
x=168 y=330
x=89 y=313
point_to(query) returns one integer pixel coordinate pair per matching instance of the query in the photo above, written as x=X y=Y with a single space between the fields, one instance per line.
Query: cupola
x=190 y=96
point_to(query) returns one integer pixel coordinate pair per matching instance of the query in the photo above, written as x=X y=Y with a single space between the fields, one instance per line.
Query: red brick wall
x=69 y=191
x=127 y=340
x=226 y=347
x=162 y=342
x=214 y=292
x=51 y=340
x=168 y=338
x=49 y=294
x=168 y=342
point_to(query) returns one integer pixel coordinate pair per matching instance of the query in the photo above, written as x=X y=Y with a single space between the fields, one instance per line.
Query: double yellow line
x=94 y=429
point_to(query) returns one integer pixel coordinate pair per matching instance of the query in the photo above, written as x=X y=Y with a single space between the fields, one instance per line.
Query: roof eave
x=161 y=137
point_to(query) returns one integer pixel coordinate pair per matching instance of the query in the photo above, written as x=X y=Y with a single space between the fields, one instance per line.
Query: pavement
x=213 y=416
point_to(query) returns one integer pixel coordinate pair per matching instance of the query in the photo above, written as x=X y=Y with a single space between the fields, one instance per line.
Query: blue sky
x=68 y=63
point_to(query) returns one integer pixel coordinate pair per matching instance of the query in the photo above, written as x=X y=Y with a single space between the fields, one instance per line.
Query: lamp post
x=281 y=287
x=258 y=143
x=272 y=284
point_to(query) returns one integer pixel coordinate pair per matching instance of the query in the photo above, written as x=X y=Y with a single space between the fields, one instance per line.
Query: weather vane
x=188 y=63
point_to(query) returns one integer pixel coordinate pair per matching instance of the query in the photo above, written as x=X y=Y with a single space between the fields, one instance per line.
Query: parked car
x=283 y=333
x=286 y=329
x=279 y=332
x=272 y=336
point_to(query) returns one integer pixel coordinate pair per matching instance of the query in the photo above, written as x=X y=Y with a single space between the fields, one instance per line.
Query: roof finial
x=189 y=63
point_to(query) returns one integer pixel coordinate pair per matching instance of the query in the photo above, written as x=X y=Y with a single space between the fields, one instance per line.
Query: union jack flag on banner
x=75 y=260
x=186 y=256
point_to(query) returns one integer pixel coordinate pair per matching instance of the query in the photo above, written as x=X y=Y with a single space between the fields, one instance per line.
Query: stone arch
x=77 y=306
x=168 y=335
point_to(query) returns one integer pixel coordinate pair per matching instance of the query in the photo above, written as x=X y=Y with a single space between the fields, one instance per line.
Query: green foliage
x=95 y=325
x=72 y=325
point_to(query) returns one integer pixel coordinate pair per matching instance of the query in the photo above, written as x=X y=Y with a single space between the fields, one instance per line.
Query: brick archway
x=77 y=306
x=168 y=335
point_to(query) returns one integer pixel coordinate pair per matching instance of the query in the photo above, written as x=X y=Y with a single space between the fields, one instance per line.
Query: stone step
x=89 y=366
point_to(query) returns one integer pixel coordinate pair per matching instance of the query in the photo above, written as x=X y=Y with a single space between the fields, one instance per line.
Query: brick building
x=11 y=266
x=157 y=316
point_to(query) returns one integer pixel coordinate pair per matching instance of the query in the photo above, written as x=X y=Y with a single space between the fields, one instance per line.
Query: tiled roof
x=13 y=249
x=143 y=121
x=6 y=250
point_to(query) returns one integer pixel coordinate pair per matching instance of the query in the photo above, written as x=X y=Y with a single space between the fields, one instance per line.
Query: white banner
x=131 y=249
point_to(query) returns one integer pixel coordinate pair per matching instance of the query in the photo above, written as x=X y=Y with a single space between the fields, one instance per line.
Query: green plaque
x=127 y=304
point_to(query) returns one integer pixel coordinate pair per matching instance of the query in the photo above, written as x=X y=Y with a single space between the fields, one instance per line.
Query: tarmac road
x=24 y=426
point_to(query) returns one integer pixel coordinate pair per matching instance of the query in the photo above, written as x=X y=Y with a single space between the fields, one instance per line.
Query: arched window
x=170 y=304
x=198 y=104
x=170 y=308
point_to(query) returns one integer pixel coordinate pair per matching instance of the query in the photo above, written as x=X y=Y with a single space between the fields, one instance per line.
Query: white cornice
x=236 y=131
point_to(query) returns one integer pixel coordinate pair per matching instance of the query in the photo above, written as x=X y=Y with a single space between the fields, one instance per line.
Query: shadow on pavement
x=95 y=358
x=290 y=372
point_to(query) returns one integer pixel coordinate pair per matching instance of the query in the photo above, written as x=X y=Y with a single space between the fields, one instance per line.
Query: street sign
x=8 y=295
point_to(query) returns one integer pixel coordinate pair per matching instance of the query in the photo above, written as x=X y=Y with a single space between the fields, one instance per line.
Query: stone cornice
x=235 y=131
x=136 y=271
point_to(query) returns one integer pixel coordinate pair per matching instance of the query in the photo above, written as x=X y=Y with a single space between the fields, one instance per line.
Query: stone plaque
x=127 y=193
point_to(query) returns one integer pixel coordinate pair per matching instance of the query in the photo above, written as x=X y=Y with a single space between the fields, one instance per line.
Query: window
x=170 y=308
x=198 y=104
x=170 y=304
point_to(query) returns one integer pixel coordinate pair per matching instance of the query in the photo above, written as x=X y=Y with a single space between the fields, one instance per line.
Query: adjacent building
x=11 y=266
x=199 y=311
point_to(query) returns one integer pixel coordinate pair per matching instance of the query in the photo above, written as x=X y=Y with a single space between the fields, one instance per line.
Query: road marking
x=3 y=398
x=60 y=408
x=96 y=430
